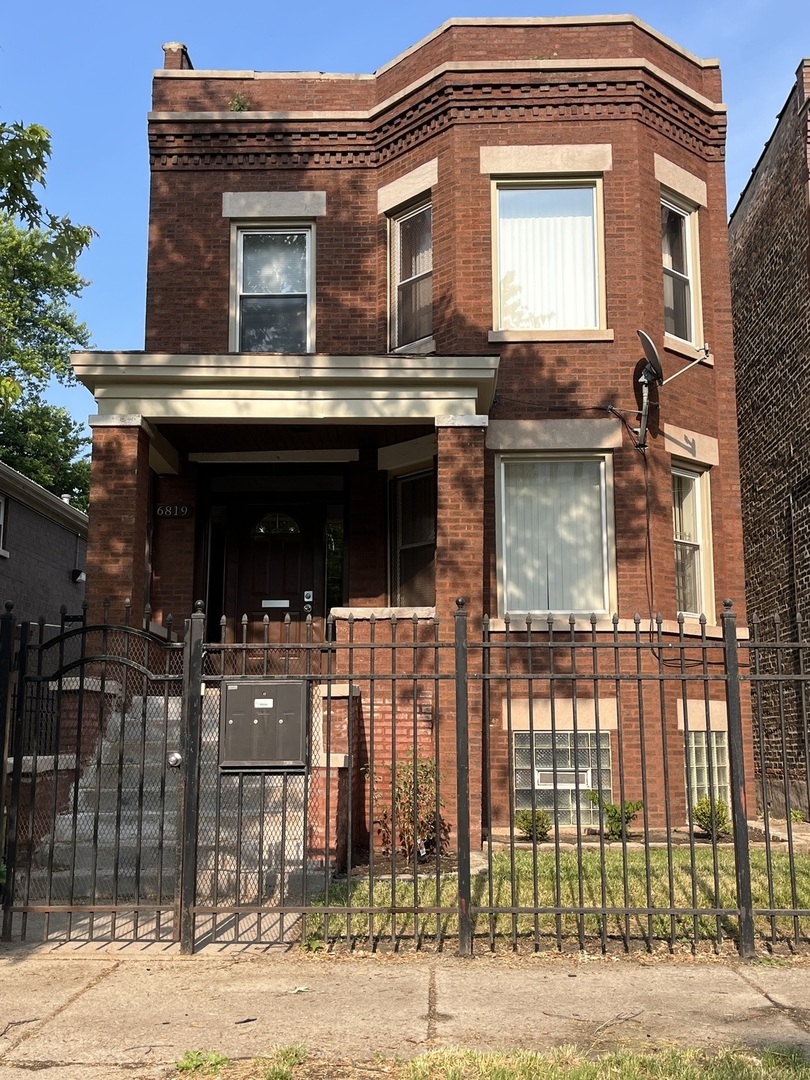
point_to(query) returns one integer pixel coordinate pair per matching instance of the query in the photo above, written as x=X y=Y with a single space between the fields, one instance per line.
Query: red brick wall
x=195 y=160
x=119 y=498
x=189 y=265
x=174 y=549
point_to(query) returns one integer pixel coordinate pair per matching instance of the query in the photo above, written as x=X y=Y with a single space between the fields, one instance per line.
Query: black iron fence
x=519 y=784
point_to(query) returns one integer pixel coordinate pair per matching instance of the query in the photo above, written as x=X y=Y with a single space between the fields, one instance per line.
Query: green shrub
x=533 y=826
x=615 y=817
x=796 y=816
x=419 y=827
x=712 y=817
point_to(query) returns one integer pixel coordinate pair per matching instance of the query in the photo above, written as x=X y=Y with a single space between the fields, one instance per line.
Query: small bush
x=615 y=817
x=533 y=826
x=712 y=817
x=796 y=816
x=419 y=828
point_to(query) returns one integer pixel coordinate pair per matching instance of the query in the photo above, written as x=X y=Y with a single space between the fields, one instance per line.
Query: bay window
x=678 y=252
x=547 y=257
x=556 y=534
x=692 y=539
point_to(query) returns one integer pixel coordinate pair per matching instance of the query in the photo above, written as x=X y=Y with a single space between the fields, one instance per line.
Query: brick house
x=43 y=544
x=392 y=356
x=769 y=250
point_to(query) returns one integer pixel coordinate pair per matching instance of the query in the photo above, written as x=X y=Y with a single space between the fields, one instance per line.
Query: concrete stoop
x=118 y=838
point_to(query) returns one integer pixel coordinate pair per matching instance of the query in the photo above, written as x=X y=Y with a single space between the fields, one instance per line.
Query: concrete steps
x=118 y=839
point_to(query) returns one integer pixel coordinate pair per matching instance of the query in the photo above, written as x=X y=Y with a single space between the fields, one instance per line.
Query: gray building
x=43 y=545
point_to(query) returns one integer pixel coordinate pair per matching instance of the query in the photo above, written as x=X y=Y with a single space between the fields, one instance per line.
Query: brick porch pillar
x=119 y=504
x=460 y=572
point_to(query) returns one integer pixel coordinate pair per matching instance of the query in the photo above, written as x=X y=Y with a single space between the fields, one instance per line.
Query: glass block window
x=578 y=763
x=707 y=765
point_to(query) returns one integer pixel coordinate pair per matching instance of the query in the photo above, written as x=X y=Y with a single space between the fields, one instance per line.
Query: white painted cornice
x=246 y=387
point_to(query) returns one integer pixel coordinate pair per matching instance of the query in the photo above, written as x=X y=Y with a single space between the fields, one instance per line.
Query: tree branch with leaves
x=38 y=326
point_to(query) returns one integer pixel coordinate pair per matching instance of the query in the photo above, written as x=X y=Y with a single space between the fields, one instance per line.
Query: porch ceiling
x=249 y=387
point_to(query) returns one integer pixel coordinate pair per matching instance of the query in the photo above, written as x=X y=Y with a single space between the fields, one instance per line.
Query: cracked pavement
x=95 y=1012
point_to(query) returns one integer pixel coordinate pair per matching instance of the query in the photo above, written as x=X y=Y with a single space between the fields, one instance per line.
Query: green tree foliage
x=43 y=443
x=24 y=155
x=38 y=277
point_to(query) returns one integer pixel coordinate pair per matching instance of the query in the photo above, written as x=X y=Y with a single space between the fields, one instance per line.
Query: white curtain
x=554 y=536
x=547 y=266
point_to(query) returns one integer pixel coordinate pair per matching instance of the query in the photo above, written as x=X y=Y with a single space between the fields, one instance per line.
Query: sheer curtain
x=547 y=258
x=554 y=536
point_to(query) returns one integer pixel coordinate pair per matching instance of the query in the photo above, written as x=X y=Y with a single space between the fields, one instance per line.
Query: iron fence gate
x=532 y=785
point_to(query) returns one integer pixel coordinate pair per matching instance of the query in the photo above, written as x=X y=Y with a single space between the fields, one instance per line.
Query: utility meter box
x=263 y=724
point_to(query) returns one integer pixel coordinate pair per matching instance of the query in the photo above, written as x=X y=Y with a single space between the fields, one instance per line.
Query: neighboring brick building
x=769 y=244
x=391 y=341
x=43 y=546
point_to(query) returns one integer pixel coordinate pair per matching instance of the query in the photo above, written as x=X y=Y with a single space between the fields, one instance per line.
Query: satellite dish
x=653 y=373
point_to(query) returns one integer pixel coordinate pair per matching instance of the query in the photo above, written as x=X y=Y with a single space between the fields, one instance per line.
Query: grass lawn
x=703 y=890
x=293 y=1063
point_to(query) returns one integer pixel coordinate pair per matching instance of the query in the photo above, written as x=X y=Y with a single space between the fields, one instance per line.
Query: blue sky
x=83 y=70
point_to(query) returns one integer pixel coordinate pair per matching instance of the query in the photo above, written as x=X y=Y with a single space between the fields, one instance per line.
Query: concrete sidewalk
x=95 y=1012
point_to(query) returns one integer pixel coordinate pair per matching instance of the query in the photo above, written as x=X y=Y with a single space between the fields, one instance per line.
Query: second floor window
x=547 y=256
x=676 y=252
x=412 y=276
x=275 y=290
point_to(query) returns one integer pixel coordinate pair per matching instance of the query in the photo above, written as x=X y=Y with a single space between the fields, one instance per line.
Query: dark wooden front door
x=275 y=566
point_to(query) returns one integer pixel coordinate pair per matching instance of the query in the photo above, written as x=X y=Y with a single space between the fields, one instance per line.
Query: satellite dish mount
x=653 y=375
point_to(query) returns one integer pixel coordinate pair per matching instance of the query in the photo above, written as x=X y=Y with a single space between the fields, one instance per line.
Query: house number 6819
x=173 y=510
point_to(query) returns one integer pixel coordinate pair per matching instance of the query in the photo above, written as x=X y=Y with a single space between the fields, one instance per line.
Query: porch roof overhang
x=255 y=387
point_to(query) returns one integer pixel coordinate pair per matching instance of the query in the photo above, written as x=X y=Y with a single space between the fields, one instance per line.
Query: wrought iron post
x=192 y=723
x=462 y=783
x=16 y=780
x=6 y=669
x=739 y=817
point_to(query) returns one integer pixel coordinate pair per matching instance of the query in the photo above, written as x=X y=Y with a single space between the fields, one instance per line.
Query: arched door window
x=274 y=524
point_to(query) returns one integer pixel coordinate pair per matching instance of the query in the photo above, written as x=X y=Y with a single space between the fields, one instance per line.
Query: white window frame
x=605 y=461
x=597 y=328
x=689 y=213
x=395 y=221
x=240 y=230
x=3 y=525
x=702 y=542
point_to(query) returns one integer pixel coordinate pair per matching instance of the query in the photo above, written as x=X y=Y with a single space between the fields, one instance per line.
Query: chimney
x=175 y=57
